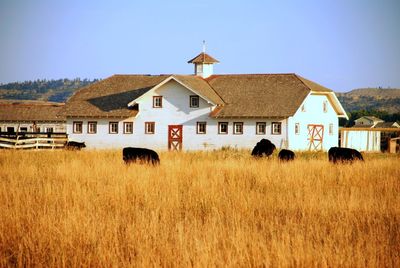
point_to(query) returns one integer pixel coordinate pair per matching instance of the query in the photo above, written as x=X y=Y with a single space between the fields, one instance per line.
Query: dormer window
x=194 y=101
x=157 y=101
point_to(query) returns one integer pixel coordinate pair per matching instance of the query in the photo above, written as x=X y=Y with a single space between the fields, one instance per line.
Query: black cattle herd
x=263 y=148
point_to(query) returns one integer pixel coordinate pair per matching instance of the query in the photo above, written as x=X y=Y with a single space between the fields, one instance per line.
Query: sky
x=341 y=44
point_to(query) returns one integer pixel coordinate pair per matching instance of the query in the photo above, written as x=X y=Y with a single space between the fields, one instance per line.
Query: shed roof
x=12 y=110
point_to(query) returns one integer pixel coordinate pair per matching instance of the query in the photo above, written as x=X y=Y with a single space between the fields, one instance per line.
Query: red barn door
x=315 y=137
x=175 y=136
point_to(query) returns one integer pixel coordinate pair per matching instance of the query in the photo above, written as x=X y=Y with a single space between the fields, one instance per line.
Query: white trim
x=133 y=102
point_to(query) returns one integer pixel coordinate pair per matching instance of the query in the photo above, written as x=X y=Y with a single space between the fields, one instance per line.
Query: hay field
x=222 y=208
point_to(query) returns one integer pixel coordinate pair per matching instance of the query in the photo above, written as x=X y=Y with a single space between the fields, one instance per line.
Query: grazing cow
x=74 y=145
x=338 y=154
x=263 y=147
x=143 y=155
x=286 y=155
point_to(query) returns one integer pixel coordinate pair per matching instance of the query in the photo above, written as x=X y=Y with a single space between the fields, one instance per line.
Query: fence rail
x=24 y=142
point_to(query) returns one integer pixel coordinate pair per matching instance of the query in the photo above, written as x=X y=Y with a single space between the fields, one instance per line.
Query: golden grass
x=224 y=208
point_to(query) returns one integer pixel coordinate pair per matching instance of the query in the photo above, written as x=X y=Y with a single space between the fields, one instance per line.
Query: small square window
x=238 y=128
x=260 y=128
x=128 y=127
x=194 y=101
x=77 y=127
x=157 y=101
x=222 y=127
x=92 y=127
x=49 y=130
x=23 y=129
x=201 y=127
x=276 y=128
x=297 y=128
x=149 y=127
x=113 y=127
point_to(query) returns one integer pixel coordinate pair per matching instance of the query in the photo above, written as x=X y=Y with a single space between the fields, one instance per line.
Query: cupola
x=203 y=64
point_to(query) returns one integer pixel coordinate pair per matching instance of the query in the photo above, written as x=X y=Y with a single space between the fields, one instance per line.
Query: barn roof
x=14 y=110
x=241 y=95
x=261 y=95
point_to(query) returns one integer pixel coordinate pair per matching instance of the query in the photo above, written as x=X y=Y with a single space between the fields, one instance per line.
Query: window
x=238 y=128
x=49 y=129
x=330 y=129
x=325 y=106
x=194 y=101
x=23 y=129
x=303 y=108
x=297 y=129
x=201 y=127
x=222 y=127
x=157 y=101
x=260 y=128
x=92 y=127
x=276 y=128
x=149 y=127
x=10 y=129
x=113 y=127
x=128 y=127
x=77 y=127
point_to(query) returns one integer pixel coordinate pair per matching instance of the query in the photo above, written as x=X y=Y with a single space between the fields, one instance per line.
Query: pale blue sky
x=341 y=44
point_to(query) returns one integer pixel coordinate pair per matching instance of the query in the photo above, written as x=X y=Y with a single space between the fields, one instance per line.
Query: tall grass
x=224 y=208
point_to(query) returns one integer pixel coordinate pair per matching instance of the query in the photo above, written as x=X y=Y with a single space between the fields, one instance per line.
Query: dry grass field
x=222 y=208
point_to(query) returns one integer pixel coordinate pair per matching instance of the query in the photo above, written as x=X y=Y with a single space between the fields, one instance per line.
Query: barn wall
x=369 y=141
x=57 y=127
x=176 y=111
x=313 y=114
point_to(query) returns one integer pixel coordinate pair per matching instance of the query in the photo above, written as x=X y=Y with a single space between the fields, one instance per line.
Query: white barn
x=204 y=111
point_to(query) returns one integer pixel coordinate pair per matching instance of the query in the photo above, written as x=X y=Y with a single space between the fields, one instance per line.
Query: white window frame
x=77 y=127
x=113 y=127
x=128 y=127
x=198 y=128
x=149 y=127
x=157 y=101
x=276 y=128
x=92 y=127
x=191 y=99
x=258 y=124
x=330 y=129
x=238 y=128
x=325 y=106
x=220 y=124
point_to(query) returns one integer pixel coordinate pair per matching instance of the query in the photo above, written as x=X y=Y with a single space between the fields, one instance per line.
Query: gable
x=195 y=85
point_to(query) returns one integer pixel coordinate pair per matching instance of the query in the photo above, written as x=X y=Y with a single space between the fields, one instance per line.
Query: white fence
x=19 y=142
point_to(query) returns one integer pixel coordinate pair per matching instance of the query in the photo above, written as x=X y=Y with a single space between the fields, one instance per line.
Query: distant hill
x=45 y=90
x=378 y=99
x=368 y=99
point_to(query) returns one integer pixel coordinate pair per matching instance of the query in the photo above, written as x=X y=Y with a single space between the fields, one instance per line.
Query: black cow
x=338 y=154
x=74 y=145
x=263 y=147
x=143 y=155
x=286 y=155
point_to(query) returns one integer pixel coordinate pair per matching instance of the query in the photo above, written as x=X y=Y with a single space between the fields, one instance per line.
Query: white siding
x=176 y=111
x=313 y=114
x=362 y=140
x=57 y=127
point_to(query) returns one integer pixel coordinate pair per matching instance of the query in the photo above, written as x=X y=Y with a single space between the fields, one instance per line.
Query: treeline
x=48 y=90
x=353 y=115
